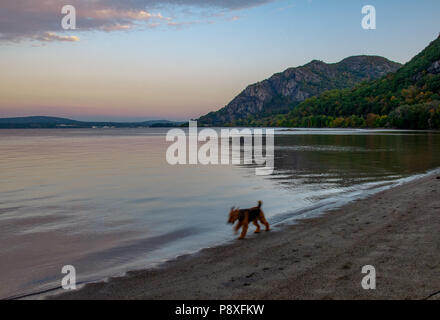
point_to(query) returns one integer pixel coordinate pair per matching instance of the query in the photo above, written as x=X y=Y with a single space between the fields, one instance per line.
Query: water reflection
x=106 y=201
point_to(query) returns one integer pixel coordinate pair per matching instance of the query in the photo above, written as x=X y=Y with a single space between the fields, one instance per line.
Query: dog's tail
x=260 y=203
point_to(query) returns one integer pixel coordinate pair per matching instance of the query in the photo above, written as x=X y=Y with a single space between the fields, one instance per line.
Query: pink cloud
x=40 y=20
x=50 y=36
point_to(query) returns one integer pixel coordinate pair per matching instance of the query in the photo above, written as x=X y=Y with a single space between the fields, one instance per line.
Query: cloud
x=50 y=36
x=40 y=20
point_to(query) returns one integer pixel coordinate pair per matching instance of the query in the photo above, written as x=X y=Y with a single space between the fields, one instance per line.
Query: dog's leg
x=238 y=226
x=264 y=221
x=245 y=224
x=257 y=225
x=244 y=230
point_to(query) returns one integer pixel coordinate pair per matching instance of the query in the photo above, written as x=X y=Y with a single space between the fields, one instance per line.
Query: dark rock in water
x=438 y=178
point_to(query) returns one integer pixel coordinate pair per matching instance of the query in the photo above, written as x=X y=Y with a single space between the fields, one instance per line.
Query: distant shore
x=397 y=231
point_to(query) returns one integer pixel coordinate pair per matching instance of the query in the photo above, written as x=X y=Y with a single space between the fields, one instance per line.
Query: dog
x=246 y=216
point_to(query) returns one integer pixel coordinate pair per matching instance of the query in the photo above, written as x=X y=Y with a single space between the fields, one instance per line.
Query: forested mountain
x=283 y=90
x=408 y=98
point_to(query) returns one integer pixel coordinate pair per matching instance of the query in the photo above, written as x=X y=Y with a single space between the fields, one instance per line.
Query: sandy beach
x=396 y=231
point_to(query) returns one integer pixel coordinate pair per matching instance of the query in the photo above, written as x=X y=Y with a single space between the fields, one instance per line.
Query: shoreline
x=395 y=230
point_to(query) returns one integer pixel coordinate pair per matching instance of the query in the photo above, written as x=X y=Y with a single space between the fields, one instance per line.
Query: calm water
x=106 y=201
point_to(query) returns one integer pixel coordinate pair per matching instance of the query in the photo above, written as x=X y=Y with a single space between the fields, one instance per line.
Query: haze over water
x=106 y=201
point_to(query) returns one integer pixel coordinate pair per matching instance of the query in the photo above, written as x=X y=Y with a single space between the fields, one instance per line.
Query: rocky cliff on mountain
x=284 y=90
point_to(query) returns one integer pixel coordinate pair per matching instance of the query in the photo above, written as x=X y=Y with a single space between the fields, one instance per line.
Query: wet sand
x=397 y=231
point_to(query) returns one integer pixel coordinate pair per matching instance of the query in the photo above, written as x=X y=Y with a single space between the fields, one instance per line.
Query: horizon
x=122 y=120
x=143 y=119
x=153 y=61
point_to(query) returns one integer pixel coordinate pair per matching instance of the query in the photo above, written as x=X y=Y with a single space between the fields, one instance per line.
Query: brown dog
x=246 y=216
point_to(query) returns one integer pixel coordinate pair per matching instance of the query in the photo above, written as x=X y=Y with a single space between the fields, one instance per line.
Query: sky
x=133 y=60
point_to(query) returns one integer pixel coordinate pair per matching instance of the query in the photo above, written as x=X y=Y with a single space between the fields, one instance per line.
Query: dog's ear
x=232 y=209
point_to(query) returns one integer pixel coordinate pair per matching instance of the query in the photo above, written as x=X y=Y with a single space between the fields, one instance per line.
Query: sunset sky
x=179 y=59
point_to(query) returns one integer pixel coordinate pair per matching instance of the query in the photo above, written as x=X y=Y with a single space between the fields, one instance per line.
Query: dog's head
x=233 y=215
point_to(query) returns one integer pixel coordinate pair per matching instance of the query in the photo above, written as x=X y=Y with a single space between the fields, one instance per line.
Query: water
x=106 y=201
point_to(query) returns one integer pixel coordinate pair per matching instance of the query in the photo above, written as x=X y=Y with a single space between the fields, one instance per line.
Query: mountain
x=286 y=89
x=36 y=120
x=408 y=98
x=54 y=122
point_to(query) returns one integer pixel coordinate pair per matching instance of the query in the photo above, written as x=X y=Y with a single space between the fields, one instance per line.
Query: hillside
x=283 y=90
x=35 y=120
x=409 y=98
